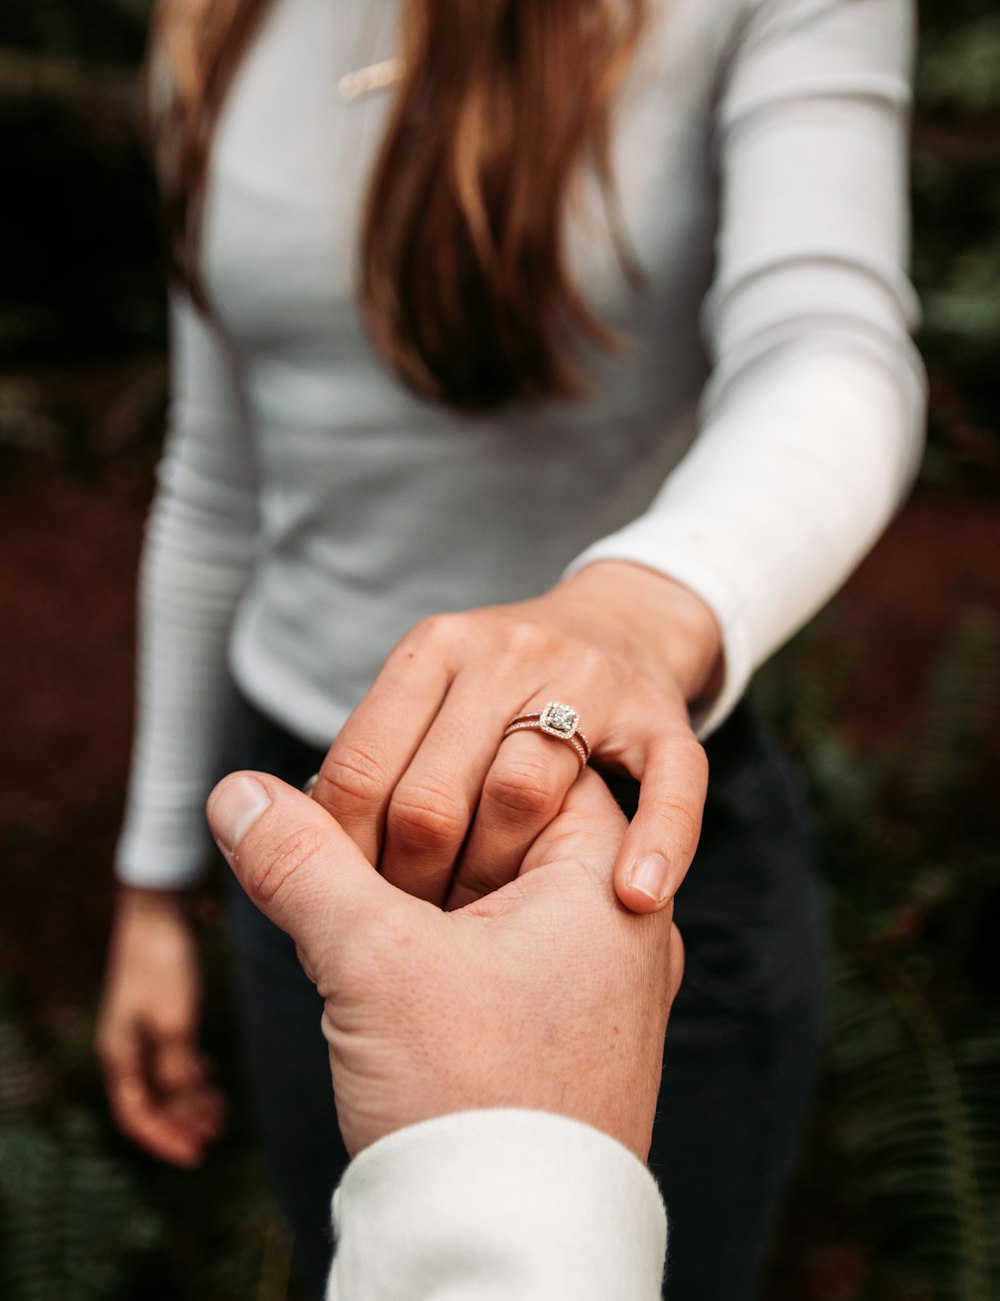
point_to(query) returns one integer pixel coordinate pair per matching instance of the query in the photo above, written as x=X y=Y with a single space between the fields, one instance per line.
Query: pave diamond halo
x=558 y=719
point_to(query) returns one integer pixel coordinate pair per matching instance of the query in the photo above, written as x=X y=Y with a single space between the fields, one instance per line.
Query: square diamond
x=559 y=718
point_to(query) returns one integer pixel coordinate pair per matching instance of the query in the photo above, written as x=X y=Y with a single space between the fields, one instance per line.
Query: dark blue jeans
x=741 y=1045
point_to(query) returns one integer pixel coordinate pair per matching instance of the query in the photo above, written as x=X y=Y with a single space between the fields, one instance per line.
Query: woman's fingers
x=143 y=1112
x=378 y=741
x=182 y=1085
x=422 y=768
x=175 y=1064
x=663 y=836
x=528 y=782
x=435 y=800
x=647 y=738
x=408 y=772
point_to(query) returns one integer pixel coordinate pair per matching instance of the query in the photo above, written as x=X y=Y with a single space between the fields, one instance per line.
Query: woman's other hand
x=423 y=782
x=158 y=1084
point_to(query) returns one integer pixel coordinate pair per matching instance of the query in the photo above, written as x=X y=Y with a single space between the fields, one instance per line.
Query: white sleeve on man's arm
x=197 y=559
x=812 y=421
x=498 y=1206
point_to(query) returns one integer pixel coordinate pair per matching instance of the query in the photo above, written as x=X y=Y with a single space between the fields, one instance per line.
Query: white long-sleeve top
x=498 y=1206
x=751 y=443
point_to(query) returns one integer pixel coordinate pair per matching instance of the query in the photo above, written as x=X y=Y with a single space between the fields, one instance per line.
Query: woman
x=450 y=307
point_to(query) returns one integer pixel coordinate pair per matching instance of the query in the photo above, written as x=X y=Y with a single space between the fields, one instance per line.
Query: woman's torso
x=377 y=508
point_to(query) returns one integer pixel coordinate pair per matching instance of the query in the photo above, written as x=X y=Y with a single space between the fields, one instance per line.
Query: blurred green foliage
x=79 y=251
x=956 y=204
x=84 y=1216
x=905 y=1152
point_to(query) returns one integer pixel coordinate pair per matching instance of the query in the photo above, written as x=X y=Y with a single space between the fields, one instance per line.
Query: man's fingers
x=294 y=861
x=527 y=781
x=523 y=791
x=663 y=836
x=586 y=833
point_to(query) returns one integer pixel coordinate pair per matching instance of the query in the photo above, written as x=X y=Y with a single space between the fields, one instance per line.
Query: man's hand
x=547 y=994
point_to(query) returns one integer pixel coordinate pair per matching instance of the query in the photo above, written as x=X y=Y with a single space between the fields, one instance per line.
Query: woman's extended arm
x=812 y=422
x=811 y=429
x=198 y=557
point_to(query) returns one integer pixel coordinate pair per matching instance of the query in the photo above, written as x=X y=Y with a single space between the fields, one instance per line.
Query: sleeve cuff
x=162 y=863
x=497 y=1205
x=673 y=553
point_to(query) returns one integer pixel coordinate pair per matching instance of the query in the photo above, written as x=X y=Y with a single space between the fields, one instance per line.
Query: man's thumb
x=294 y=861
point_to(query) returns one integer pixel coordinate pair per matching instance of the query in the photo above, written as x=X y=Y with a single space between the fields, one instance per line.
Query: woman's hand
x=157 y=1081
x=423 y=782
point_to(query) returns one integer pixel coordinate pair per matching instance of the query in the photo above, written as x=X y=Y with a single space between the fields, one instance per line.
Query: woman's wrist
x=661 y=624
x=152 y=901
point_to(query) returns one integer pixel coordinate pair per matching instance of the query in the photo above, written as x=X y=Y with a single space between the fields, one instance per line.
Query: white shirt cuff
x=496 y=1206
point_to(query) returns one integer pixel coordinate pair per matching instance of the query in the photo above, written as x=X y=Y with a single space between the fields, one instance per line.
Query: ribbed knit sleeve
x=811 y=424
x=197 y=559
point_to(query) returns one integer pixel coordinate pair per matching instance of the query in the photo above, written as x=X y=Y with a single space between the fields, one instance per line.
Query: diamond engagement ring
x=556 y=720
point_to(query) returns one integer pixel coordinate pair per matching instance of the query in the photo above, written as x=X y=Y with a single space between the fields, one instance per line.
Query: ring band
x=556 y=720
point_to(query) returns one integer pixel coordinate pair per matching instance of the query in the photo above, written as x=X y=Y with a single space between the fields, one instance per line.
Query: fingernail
x=310 y=785
x=234 y=808
x=651 y=876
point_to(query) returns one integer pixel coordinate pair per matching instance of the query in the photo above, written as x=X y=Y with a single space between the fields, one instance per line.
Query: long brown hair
x=503 y=103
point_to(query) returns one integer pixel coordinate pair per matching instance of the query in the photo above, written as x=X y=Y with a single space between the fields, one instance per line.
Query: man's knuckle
x=293 y=852
x=425 y=818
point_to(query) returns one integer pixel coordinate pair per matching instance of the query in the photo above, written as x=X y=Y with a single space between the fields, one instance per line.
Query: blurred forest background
x=889 y=700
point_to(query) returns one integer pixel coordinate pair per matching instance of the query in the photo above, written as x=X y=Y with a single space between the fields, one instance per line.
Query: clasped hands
x=423 y=783
x=534 y=987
